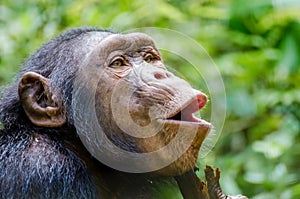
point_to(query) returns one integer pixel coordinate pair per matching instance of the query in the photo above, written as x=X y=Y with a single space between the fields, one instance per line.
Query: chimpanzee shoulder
x=36 y=165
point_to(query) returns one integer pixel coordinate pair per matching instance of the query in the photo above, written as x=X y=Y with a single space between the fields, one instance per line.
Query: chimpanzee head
x=126 y=107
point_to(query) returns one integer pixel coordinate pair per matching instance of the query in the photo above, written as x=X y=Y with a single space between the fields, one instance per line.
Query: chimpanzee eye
x=117 y=62
x=149 y=58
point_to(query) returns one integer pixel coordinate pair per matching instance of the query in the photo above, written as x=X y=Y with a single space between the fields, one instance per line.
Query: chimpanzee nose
x=161 y=74
x=151 y=73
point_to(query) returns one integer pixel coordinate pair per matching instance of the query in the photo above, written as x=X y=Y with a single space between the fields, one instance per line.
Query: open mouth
x=186 y=112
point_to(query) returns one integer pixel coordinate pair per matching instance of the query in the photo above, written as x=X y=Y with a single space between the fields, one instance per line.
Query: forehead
x=125 y=42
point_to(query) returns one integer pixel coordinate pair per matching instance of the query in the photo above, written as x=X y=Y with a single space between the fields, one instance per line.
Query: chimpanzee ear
x=40 y=105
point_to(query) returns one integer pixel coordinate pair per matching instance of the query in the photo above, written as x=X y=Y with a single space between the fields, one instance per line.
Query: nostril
x=158 y=75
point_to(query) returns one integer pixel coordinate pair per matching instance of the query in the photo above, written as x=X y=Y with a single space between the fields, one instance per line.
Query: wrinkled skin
x=138 y=95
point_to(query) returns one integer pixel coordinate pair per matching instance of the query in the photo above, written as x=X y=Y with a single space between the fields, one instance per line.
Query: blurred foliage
x=256 y=45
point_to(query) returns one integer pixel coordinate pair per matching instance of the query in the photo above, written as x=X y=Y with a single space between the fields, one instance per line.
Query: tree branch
x=193 y=187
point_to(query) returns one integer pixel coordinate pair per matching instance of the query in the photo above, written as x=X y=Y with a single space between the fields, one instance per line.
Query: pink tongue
x=196 y=105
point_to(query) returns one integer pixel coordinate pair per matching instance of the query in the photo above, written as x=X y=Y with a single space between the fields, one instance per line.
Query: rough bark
x=192 y=187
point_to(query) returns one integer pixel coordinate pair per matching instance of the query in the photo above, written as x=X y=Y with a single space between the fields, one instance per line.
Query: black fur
x=40 y=167
x=36 y=162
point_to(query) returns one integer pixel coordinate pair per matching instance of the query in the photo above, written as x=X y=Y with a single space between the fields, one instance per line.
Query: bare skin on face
x=159 y=106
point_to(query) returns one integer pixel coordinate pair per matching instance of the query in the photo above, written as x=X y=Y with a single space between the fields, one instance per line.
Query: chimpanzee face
x=125 y=93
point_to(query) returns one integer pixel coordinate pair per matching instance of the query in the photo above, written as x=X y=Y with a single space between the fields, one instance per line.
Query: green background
x=256 y=46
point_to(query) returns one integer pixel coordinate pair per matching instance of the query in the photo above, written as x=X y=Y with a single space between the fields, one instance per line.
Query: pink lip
x=192 y=106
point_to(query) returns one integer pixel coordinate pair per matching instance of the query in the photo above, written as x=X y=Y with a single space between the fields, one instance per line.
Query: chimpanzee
x=83 y=102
